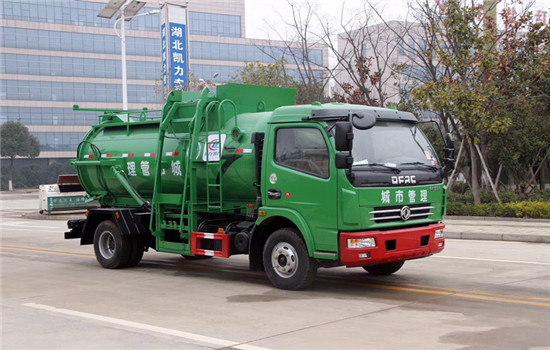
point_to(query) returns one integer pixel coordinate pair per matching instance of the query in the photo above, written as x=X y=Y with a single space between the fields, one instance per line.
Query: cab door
x=298 y=177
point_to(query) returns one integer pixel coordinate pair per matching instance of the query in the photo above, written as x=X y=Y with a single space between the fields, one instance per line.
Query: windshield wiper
x=433 y=167
x=396 y=170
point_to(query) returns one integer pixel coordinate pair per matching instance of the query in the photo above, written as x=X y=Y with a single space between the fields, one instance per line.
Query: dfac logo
x=403 y=180
x=405 y=213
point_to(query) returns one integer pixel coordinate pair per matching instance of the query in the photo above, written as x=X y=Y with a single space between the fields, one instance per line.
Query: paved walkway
x=498 y=229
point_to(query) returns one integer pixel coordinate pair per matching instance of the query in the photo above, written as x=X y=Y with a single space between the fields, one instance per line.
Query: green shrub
x=528 y=209
x=532 y=209
x=540 y=196
x=505 y=196
x=508 y=197
x=460 y=187
x=465 y=198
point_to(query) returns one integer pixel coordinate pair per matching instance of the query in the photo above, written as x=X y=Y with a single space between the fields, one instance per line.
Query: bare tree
x=302 y=49
x=366 y=63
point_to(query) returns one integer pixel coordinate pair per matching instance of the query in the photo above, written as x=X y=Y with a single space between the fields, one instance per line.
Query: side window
x=302 y=149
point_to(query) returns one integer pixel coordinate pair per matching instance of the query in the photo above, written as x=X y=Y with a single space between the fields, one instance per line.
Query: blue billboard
x=175 y=65
x=178 y=55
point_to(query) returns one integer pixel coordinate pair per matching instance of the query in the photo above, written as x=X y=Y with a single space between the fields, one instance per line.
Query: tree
x=523 y=80
x=366 y=58
x=470 y=94
x=275 y=74
x=266 y=74
x=302 y=52
x=16 y=141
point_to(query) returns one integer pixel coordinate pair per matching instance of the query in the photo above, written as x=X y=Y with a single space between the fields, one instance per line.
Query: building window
x=214 y=24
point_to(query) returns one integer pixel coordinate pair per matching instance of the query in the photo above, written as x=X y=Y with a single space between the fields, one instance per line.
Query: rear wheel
x=384 y=269
x=287 y=262
x=112 y=249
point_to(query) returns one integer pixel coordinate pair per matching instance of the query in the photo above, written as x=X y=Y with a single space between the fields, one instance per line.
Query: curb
x=508 y=237
x=492 y=218
x=59 y=216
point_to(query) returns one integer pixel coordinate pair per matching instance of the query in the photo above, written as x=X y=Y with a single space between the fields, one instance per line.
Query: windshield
x=393 y=144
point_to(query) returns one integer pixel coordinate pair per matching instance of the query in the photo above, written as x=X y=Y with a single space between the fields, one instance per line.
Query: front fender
x=295 y=218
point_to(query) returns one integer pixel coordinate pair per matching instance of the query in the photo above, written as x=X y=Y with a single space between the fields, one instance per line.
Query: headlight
x=439 y=234
x=357 y=243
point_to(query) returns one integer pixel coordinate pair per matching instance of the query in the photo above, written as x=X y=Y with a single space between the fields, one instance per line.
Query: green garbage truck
x=243 y=170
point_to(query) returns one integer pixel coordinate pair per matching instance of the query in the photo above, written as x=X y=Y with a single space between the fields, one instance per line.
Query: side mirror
x=449 y=147
x=343 y=136
x=343 y=160
x=449 y=155
x=449 y=141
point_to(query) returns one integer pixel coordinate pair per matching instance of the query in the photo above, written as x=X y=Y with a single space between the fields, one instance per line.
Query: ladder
x=179 y=211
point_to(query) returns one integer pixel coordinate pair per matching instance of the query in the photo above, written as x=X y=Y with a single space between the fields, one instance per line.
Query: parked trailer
x=244 y=171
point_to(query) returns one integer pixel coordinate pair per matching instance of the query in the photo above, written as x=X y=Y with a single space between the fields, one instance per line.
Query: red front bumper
x=394 y=245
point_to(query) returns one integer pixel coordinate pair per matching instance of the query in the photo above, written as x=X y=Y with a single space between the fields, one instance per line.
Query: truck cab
x=362 y=186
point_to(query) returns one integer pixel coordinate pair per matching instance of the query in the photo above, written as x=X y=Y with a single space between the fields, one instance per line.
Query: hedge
x=528 y=209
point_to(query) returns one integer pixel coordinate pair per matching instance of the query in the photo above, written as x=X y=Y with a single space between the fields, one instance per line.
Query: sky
x=261 y=12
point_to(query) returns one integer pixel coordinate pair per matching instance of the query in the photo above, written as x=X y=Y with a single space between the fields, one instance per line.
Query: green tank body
x=131 y=145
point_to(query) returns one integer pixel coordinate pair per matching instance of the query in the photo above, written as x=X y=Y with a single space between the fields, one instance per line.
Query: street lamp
x=128 y=9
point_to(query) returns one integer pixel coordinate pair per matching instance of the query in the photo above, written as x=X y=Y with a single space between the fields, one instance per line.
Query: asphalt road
x=475 y=295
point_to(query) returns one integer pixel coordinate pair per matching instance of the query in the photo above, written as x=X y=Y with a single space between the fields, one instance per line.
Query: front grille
x=393 y=213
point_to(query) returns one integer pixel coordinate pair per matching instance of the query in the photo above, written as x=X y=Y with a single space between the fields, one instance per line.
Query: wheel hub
x=284 y=259
x=107 y=244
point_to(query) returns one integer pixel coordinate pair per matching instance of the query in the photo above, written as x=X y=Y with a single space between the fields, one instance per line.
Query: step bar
x=198 y=237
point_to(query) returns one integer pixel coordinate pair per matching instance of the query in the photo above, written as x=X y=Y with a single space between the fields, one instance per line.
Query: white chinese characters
x=400 y=196
x=176 y=168
x=145 y=168
x=131 y=166
x=386 y=197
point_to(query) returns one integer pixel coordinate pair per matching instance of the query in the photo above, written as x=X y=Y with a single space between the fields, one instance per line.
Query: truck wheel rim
x=284 y=260
x=107 y=244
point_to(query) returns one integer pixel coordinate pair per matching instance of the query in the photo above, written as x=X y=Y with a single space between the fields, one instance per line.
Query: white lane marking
x=494 y=260
x=146 y=327
x=33 y=229
x=27 y=224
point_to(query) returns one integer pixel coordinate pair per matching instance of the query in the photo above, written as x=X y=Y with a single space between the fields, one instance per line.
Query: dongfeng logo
x=403 y=179
x=405 y=213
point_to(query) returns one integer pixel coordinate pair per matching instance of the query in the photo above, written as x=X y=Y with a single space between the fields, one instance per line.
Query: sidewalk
x=498 y=229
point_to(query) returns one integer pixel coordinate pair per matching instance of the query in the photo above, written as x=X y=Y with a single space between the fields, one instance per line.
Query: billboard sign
x=175 y=47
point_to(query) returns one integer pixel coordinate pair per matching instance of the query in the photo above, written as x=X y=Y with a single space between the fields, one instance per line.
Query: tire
x=112 y=249
x=384 y=269
x=287 y=262
x=137 y=250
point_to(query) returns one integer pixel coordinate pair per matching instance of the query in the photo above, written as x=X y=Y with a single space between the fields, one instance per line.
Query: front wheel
x=384 y=269
x=287 y=262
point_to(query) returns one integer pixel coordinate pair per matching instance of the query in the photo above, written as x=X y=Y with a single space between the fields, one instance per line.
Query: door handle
x=273 y=194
